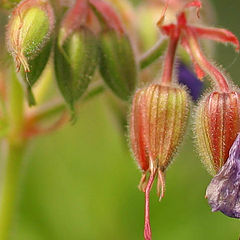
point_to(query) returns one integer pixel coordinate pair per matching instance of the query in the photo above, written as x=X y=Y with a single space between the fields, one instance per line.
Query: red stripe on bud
x=217 y=125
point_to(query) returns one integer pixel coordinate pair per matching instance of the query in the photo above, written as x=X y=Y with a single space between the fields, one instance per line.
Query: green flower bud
x=117 y=63
x=28 y=30
x=75 y=63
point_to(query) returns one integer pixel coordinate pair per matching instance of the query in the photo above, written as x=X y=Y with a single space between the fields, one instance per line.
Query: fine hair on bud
x=29 y=28
x=217 y=122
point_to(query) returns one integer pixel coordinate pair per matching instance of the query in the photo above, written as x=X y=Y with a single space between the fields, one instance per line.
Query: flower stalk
x=15 y=146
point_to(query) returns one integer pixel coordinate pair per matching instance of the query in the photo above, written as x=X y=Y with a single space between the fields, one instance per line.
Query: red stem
x=147 y=227
x=169 y=58
x=203 y=62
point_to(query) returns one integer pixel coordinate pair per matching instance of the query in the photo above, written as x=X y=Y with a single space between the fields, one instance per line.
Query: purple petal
x=223 y=192
x=188 y=78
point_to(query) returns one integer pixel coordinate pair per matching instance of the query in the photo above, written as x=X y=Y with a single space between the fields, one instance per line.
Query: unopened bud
x=117 y=63
x=75 y=63
x=158 y=121
x=28 y=30
x=217 y=124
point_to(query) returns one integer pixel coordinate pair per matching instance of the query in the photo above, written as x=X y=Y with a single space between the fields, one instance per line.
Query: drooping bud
x=76 y=54
x=117 y=61
x=75 y=63
x=117 y=64
x=158 y=119
x=28 y=39
x=217 y=123
x=28 y=30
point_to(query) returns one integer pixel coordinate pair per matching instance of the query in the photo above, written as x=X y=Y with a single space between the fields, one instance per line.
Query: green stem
x=10 y=187
x=58 y=105
x=13 y=160
x=153 y=53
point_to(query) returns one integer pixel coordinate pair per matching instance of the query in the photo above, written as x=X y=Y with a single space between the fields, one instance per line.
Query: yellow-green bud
x=28 y=30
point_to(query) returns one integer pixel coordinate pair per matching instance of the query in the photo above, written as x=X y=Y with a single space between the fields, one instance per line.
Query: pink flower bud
x=217 y=124
x=158 y=120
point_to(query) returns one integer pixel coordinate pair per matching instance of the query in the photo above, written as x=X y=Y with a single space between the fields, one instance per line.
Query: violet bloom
x=189 y=79
x=223 y=192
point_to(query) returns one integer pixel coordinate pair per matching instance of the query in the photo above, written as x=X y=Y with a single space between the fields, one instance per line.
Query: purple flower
x=223 y=193
x=188 y=78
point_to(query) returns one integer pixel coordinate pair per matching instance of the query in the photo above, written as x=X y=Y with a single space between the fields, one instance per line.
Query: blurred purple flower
x=223 y=192
x=189 y=79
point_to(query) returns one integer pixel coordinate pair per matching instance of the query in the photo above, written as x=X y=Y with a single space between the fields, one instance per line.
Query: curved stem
x=153 y=53
x=147 y=227
x=169 y=58
x=203 y=62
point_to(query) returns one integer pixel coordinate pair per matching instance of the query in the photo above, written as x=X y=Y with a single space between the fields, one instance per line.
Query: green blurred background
x=80 y=183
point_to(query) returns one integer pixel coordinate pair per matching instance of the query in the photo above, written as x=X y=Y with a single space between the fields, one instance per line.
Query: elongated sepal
x=217 y=123
x=117 y=64
x=75 y=62
x=223 y=193
x=217 y=34
x=28 y=30
x=158 y=121
x=36 y=66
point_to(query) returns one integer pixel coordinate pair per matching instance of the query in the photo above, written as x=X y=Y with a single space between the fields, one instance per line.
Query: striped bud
x=117 y=63
x=28 y=30
x=75 y=63
x=217 y=123
x=158 y=120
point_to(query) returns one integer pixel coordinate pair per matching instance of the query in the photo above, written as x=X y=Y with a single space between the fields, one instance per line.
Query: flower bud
x=75 y=63
x=117 y=63
x=158 y=120
x=217 y=124
x=28 y=30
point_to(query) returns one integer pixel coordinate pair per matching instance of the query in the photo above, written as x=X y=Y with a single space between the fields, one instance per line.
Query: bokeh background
x=80 y=183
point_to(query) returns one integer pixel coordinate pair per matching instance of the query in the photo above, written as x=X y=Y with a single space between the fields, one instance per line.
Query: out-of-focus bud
x=28 y=34
x=76 y=54
x=217 y=123
x=117 y=61
x=28 y=30
x=117 y=64
x=158 y=120
x=75 y=63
